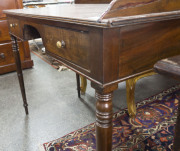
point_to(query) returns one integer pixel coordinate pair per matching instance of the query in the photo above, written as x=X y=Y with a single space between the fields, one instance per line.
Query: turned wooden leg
x=78 y=85
x=15 y=49
x=83 y=84
x=104 y=115
x=130 y=88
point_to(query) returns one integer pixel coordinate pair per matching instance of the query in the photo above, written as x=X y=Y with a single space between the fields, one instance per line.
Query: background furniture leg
x=83 y=84
x=78 y=85
x=104 y=116
x=15 y=49
x=130 y=90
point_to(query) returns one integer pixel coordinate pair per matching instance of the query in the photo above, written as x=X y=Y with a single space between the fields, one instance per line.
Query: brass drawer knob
x=60 y=44
x=13 y=25
x=2 y=55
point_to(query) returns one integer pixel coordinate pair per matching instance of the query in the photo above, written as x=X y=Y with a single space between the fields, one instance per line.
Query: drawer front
x=14 y=26
x=6 y=53
x=72 y=45
x=4 y=31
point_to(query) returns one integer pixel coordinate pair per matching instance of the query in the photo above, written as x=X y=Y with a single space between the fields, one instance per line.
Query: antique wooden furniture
x=130 y=83
x=7 y=63
x=171 y=68
x=106 y=43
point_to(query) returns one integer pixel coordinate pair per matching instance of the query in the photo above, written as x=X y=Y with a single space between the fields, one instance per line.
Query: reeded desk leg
x=15 y=49
x=104 y=116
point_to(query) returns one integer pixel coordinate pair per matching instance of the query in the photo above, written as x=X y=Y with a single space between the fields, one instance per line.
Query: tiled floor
x=54 y=108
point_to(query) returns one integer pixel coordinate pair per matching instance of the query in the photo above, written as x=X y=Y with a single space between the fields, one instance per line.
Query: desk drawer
x=14 y=26
x=6 y=53
x=4 y=31
x=72 y=45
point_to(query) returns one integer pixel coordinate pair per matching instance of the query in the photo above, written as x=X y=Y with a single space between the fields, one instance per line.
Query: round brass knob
x=11 y=25
x=60 y=44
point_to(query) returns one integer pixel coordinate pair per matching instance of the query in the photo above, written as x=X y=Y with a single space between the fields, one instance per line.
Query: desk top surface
x=95 y=14
x=90 y=12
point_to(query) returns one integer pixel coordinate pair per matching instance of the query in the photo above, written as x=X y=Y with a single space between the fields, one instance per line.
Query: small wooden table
x=106 y=43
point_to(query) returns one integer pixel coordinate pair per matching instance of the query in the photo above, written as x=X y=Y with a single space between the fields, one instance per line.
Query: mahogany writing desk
x=106 y=43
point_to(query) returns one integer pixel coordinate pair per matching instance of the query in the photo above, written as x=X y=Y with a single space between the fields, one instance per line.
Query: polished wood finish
x=4 y=32
x=6 y=49
x=104 y=115
x=171 y=68
x=119 y=8
x=112 y=50
x=75 y=42
x=7 y=62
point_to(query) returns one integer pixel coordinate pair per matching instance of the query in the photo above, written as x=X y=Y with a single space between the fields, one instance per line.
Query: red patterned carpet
x=152 y=130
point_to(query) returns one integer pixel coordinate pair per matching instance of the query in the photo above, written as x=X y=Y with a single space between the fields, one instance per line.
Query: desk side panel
x=111 y=38
x=143 y=45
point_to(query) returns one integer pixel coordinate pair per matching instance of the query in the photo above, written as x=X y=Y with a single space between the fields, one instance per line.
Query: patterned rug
x=152 y=129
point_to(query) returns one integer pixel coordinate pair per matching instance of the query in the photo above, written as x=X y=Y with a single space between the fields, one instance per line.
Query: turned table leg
x=15 y=49
x=104 y=115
